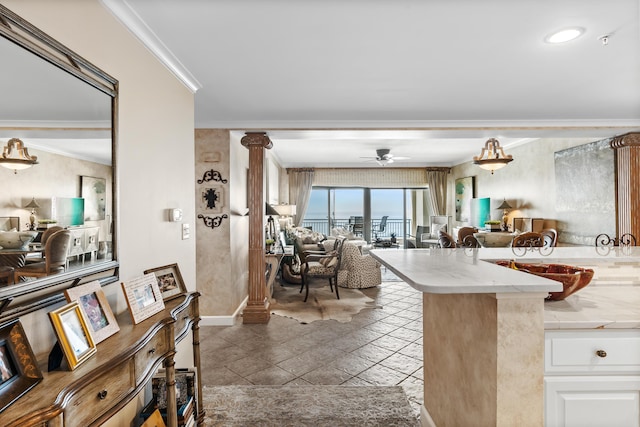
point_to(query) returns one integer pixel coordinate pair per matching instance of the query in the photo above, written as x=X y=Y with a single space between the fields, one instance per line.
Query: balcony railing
x=394 y=225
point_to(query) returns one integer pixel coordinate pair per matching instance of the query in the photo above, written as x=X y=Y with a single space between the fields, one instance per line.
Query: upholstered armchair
x=358 y=271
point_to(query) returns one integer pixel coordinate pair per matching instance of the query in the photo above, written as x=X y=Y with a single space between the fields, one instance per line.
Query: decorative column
x=627 y=155
x=257 y=310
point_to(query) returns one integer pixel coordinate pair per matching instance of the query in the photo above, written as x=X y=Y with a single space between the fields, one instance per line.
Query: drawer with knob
x=592 y=351
x=99 y=395
x=151 y=352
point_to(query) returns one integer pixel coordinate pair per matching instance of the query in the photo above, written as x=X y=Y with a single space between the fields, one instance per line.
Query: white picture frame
x=143 y=297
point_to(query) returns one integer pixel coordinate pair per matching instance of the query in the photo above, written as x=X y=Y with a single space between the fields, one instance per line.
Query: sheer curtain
x=300 y=184
x=437 y=181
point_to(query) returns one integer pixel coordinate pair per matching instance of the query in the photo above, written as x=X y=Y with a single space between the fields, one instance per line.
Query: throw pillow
x=436 y=228
x=329 y=260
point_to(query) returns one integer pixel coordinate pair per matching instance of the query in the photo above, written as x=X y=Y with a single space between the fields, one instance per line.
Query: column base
x=256 y=313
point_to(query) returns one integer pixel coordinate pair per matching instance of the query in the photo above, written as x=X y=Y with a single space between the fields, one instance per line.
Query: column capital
x=631 y=139
x=256 y=138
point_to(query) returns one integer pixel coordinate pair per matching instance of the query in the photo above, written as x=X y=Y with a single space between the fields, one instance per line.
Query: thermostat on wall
x=175 y=215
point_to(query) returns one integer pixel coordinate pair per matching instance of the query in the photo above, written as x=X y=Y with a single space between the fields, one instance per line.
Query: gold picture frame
x=169 y=280
x=19 y=370
x=93 y=302
x=143 y=297
x=73 y=334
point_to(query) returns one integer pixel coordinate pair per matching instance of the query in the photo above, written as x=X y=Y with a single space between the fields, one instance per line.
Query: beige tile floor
x=381 y=346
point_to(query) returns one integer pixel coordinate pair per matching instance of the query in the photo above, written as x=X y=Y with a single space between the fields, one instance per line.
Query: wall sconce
x=505 y=218
x=16 y=156
x=492 y=156
x=33 y=205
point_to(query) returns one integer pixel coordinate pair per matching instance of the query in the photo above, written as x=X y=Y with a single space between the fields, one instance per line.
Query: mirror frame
x=22 y=298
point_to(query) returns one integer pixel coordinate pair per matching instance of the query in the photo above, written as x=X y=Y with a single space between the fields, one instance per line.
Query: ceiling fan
x=384 y=157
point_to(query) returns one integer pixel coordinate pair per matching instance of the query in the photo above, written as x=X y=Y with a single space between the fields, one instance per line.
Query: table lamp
x=32 y=218
x=505 y=217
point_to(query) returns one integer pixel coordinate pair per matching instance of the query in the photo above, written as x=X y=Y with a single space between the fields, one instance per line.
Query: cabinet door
x=582 y=401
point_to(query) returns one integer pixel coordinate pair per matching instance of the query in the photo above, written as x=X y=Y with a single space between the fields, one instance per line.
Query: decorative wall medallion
x=212 y=175
x=214 y=221
x=211 y=199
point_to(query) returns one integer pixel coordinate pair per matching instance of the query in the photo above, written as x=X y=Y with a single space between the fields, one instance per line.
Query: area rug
x=300 y=406
x=322 y=304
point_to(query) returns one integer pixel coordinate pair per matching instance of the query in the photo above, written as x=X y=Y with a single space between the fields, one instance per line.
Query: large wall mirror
x=63 y=110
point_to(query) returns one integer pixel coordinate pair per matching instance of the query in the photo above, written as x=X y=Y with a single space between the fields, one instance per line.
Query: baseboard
x=425 y=418
x=224 y=320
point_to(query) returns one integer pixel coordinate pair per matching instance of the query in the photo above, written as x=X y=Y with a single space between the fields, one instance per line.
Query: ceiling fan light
x=564 y=35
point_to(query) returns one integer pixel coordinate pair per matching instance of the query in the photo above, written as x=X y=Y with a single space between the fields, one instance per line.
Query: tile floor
x=381 y=346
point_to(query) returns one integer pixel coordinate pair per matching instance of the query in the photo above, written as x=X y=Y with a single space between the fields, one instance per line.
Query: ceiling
x=331 y=81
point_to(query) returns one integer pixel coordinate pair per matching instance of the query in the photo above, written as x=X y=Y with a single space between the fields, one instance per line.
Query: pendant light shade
x=492 y=156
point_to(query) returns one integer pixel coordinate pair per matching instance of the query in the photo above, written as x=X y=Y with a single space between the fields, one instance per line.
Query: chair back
x=48 y=232
x=446 y=240
x=466 y=238
x=383 y=224
x=549 y=237
x=529 y=240
x=57 y=249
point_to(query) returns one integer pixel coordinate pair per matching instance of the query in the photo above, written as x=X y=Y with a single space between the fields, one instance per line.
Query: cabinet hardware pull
x=102 y=394
x=152 y=351
x=601 y=353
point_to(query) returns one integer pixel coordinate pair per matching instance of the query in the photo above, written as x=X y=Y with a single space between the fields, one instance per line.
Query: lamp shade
x=33 y=204
x=269 y=210
x=285 y=210
x=504 y=205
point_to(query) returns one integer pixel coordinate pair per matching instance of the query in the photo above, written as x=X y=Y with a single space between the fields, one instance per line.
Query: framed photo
x=93 y=303
x=169 y=281
x=19 y=370
x=94 y=192
x=73 y=334
x=143 y=297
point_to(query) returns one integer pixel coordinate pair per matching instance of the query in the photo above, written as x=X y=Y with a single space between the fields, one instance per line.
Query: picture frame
x=94 y=192
x=19 y=370
x=143 y=297
x=74 y=336
x=169 y=280
x=93 y=303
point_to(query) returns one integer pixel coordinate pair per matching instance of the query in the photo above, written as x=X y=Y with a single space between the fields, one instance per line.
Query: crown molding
x=132 y=21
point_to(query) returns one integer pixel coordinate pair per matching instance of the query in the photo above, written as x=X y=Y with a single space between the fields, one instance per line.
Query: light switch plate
x=185 y=231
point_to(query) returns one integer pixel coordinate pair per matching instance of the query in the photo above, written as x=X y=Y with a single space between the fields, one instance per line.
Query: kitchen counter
x=484 y=325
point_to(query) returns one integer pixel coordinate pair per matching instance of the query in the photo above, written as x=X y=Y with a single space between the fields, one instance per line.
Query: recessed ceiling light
x=565 y=35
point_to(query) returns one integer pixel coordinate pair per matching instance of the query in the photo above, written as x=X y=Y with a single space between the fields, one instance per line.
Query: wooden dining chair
x=56 y=251
x=446 y=240
x=466 y=239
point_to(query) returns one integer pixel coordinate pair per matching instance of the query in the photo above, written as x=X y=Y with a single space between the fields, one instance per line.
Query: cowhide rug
x=322 y=304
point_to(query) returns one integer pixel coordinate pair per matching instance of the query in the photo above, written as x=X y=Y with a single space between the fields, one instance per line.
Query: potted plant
x=493 y=225
x=269 y=244
x=393 y=238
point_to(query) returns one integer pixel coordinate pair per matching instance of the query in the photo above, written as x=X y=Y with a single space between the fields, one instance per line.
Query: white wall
x=155 y=155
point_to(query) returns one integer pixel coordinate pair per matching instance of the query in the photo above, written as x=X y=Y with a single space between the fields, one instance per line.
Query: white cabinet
x=592 y=378
x=84 y=240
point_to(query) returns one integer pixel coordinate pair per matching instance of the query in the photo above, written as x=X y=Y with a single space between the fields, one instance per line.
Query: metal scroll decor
x=626 y=239
x=212 y=175
x=212 y=221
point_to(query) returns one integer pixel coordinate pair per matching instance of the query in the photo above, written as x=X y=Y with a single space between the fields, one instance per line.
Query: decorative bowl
x=494 y=239
x=16 y=239
x=572 y=278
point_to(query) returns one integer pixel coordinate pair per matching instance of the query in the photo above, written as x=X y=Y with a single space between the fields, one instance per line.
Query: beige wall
x=155 y=143
x=222 y=260
x=37 y=182
x=527 y=183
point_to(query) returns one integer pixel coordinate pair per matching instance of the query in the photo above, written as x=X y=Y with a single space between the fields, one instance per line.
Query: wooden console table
x=116 y=374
